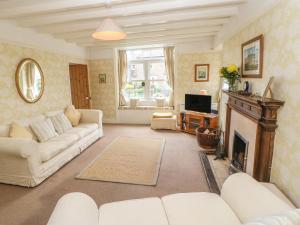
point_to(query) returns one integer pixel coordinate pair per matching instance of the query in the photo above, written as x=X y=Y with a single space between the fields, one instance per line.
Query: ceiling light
x=109 y=31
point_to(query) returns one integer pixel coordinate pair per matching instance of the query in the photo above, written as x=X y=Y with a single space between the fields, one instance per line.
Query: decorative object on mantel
x=201 y=72
x=232 y=75
x=252 y=57
x=268 y=88
x=247 y=89
x=263 y=112
x=102 y=78
x=203 y=92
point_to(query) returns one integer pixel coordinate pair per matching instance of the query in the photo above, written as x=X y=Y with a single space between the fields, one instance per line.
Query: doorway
x=80 y=92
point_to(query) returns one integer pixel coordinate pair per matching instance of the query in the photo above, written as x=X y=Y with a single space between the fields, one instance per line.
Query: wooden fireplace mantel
x=264 y=113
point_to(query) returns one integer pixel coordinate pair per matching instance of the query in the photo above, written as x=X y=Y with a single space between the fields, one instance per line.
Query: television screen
x=198 y=103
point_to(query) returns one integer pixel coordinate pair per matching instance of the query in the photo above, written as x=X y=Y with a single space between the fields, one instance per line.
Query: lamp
x=109 y=31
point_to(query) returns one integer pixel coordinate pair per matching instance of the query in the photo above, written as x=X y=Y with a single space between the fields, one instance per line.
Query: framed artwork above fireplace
x=252 y=58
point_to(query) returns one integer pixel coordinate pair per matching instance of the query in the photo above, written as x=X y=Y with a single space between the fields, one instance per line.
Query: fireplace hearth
x=239 y=153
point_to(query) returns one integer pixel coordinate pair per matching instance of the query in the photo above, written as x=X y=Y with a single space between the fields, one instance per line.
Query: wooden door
x=80 y=86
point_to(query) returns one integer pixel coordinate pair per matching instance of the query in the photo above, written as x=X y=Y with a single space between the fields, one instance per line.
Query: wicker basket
x=207 y=141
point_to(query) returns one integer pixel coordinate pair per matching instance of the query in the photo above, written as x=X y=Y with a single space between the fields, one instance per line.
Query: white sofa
x=242 y=199
x=28 y=162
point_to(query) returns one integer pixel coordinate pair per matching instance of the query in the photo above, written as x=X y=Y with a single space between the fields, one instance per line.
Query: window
x=146 y=74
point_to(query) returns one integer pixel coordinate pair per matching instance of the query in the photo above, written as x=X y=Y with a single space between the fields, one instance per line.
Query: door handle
x=88 y=98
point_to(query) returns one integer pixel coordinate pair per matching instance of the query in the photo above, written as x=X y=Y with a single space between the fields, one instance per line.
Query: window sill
x=146 y=108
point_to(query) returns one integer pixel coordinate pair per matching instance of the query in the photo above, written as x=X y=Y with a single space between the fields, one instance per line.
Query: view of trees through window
x=146 y=74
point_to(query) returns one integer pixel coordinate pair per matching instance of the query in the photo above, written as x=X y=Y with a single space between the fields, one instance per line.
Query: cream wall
x=103 y=94
x=280 y=27
x=185 y=73
x=57 y=83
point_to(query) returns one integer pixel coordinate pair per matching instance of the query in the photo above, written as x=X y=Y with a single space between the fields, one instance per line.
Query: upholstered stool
x=164 y=121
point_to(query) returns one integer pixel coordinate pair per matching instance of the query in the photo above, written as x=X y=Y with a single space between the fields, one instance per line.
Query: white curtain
x=122 y=76
x=169 y=61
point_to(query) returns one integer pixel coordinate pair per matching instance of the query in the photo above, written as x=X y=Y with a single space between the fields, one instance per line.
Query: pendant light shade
x=109 y=31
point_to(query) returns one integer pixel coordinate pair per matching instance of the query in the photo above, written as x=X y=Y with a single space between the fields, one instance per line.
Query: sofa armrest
x=249 y=199
x=75 y=209
x=91 y=116
x=17 y=147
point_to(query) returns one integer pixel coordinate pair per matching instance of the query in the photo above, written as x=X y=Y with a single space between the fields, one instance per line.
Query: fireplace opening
x=239 y=153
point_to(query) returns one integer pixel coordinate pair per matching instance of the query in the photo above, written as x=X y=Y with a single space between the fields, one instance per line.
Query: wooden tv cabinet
x=190 y=121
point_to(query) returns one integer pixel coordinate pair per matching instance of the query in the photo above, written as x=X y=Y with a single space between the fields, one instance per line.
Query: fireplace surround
x=257 y=121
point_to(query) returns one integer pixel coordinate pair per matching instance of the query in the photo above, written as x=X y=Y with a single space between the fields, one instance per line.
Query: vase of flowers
x=232 y=75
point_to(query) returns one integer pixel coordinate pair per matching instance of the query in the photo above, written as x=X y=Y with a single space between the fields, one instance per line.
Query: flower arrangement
x=231 y=74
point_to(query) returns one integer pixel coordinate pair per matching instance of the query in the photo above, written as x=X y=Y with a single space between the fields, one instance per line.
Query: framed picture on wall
x=201 y=72
x=102 y=78
x=252 y=57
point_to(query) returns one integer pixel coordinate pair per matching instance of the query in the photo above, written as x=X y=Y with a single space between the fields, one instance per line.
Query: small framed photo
x=252 y=58
x=102 y=78
x=201 y=72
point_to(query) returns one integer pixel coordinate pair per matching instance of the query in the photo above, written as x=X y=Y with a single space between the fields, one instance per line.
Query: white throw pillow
x=61 y=123
x=291 y=217
x=43 y=129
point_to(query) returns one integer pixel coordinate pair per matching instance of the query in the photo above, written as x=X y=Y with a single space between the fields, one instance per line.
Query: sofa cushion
x=73 y=115
x=147 y=211
x=83 y=130
x=43 y=129
x=198 y=209
x=90 y=126
x=61 y=123
x=18 y=131
x=290 y=217
x=56 y=145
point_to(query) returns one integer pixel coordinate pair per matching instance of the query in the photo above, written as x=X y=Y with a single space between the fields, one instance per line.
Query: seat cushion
x=147 y=211
x=83 y=130
x=198 y=209
x=56 y=145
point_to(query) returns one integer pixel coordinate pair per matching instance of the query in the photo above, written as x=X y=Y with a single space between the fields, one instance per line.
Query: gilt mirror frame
x=17 y=79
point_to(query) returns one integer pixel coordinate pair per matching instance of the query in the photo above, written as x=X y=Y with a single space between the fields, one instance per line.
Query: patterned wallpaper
x=280 y=28
x=57 y=83
x=185 y=72
x=103 y=94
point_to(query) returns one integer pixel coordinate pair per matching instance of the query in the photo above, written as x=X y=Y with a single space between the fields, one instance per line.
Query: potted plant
x=232 y=75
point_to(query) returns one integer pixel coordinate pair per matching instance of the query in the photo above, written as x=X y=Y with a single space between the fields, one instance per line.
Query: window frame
x=146 y=64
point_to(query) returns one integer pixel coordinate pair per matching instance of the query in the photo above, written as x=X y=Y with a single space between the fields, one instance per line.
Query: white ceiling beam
x=149 y=40
x=169 y=41
x=137 y=8
x=154 y=27
x=16 y=8
x=169 y=33
x=156 y=18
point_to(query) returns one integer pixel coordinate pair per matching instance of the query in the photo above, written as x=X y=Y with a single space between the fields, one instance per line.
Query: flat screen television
x=198 y=103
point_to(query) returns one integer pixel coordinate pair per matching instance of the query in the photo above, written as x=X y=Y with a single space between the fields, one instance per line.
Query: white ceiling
x=145 y=21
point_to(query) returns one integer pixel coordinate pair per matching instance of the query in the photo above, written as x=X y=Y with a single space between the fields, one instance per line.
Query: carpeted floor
x=180 y=171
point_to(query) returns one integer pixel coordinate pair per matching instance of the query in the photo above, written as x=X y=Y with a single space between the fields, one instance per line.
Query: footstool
x=164 y=121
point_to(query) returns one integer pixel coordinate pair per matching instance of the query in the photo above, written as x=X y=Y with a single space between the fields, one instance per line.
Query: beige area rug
x=129 y=160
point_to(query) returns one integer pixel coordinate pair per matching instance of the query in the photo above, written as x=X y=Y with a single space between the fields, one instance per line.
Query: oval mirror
x=30 y=80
